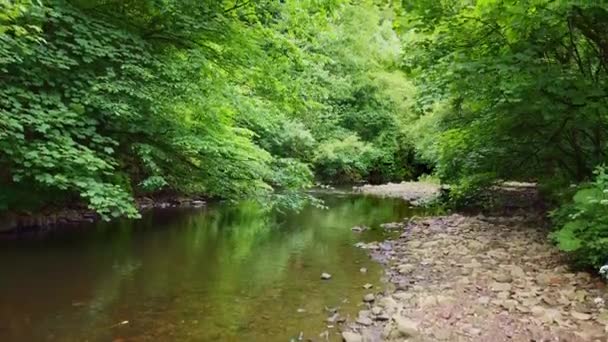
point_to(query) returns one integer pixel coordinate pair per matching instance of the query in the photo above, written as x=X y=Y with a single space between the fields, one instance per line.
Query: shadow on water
x=223 y=273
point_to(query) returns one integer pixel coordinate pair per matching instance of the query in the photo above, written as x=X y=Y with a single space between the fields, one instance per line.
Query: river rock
x=517 y=272
x=509 y=304
x=502 y=277
x=537 y=310
x=474 y=331
x=603 y=318
x=543 y=279
x=414 y=244
x=349 y=336
x=368 y=286
x=388 y=303
x=580 y=316
x=386 y=246
x=403 y=296
x=580 y=295
x=335 y=318
x=364 y=321
x=474 y=264
x=503 y=295
x=198 y=203
x=368 y=298
x=483 y=300
x=549 y=315
x=325 y=276
x=406 y=327
x=391 y=225
x=499 y=287
x=599 y=302
x=427 y=301
x=406 y=268
x=442 y=334
x=465 y=271
x=363 y=270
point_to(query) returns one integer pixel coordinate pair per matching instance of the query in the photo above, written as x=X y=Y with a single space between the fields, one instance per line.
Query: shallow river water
x=221 y=273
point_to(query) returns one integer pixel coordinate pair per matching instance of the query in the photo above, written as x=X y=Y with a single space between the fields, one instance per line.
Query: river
x=221 y=273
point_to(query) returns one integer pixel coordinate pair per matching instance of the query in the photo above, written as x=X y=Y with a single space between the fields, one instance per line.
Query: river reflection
x=222 y=273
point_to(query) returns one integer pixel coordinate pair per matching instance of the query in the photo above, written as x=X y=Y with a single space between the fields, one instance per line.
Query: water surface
x=222 y=273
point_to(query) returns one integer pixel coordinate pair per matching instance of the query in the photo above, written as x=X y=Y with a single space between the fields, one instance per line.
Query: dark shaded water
x=224 y=273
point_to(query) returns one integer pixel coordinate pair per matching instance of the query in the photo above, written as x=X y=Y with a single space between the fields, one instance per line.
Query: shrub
x=583 y=222
x=344 y=161
x=471 y=191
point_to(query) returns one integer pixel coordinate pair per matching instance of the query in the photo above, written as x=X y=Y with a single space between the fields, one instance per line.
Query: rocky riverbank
x=413 y=192
x=477 y=278
x=78 y=214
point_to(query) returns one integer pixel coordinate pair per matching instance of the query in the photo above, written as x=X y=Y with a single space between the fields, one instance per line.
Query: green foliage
x=288 y=177
x=88 y=96
x=516 y=89
x=53 y=106
x=346 y=160
x=105 y=100
x=583 y=222
x=469 y=192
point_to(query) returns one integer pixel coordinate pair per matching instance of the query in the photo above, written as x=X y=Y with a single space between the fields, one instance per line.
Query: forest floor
x=479 y=278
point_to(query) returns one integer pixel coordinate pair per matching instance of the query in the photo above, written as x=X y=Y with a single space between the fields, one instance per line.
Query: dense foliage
x=105 y=99
x=583 y=223
x=515 y=90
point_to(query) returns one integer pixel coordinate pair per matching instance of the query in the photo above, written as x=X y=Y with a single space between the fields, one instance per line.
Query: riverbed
x=219 y=273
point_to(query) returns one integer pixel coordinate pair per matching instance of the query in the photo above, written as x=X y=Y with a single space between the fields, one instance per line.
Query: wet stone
x=369 y=298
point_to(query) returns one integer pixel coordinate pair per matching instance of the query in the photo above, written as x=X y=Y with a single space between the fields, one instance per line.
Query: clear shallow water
x=223 y=273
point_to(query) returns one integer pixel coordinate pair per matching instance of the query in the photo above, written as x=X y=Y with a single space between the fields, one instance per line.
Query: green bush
x=471 y=191
x=344 y=161
x=583 y=222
